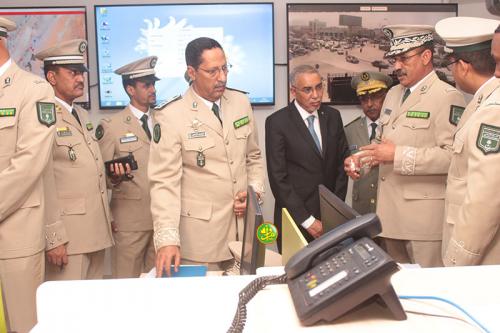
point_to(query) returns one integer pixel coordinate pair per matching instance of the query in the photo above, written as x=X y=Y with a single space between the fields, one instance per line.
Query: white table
x=208 y=305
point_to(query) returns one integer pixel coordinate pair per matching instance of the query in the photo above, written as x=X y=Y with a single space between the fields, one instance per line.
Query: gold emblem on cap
x=152 y=63
x=365 y=76
x=82 y=47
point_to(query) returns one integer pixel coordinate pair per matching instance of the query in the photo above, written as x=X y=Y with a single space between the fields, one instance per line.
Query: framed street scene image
x=341 y=40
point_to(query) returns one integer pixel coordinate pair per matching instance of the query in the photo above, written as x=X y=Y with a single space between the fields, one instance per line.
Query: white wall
x=466 y=8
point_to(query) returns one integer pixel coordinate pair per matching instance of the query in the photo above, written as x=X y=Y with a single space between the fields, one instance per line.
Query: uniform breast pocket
x=129 y=147
x=417 y=124
x=6 y=122
x=68 y=151
x=199 y=144
x=243 y=132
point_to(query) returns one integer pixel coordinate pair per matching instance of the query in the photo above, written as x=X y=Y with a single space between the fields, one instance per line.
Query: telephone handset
x=333 y=274
x=340 y=270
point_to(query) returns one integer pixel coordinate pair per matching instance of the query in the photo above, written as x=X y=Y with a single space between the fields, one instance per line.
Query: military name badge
x=46 y=113
x=418 y=114
x=197 y=135
x=241 y=122
x=63 y=131
x=456 y=113
x=488 y=139
x=156 y=133
x=89 y=126
x=7 y=112
x=129 y=137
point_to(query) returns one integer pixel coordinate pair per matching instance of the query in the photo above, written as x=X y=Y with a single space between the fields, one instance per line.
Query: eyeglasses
x=214 y=72
x=403 y=59
x=308 y=90
x=449 y=62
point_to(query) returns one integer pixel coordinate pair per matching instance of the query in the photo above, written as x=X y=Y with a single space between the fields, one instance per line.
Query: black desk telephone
x=333 y=274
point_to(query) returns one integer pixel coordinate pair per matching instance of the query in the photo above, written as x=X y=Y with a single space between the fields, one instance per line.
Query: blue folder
x=187 y=271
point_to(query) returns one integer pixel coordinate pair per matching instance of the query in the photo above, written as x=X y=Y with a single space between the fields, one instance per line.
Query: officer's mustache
x=79 y=85
x=400 y=72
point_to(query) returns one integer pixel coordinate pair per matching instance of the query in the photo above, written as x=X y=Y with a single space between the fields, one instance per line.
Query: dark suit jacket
x=295 y=166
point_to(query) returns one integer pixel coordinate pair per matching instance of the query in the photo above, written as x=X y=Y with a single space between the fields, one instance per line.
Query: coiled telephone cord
x=247 y=294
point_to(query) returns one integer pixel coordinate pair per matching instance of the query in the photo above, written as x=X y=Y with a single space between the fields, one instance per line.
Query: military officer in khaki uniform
x=471 y=233
x=371 y=88
x=415 y=150
x=78 y=169
x=129 y=132
x=205 y=153
x=27 y=118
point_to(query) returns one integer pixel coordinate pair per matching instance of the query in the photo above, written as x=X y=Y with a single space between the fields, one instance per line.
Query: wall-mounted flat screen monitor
x=341 y=40
x=39 y=28
x=125 y=33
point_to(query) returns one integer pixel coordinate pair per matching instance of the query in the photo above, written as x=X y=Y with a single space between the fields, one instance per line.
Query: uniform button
x=231 y=162
x=234 y=181
x=372 y=185
x=372 y=201
x=188 y=214
x=97 y=158
x=227 y=142
x=382 y=178
x=393 y=126
x=413 y=126
x=102 y=191
x=88 y=142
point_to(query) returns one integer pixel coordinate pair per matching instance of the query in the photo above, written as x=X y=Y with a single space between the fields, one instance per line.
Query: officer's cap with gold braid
x=370 y=82
x=69 y=54
x=466 y=34
x=6 y=25
x=404 y=38
x=142 y=69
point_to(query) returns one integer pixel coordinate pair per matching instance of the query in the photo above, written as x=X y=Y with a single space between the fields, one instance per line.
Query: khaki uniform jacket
x=411 y=190
x=25 y=151
x=191 y=199
x=130 y=201
x=472 y=200
x=81 y=184
x=364 y=190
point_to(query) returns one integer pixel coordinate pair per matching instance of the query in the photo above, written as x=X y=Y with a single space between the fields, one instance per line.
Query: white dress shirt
x=138 y=113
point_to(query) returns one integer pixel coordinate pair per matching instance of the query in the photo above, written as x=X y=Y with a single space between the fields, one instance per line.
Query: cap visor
x=77 y=67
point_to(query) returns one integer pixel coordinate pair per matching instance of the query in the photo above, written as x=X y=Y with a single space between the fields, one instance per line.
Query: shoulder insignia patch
x=156 y=133
x=99 y=132
x=241 y=91
x=46 y=113
x=488 y=139
x=167 y=102
x=456 y=113
x=241 y=122
x=353 y=121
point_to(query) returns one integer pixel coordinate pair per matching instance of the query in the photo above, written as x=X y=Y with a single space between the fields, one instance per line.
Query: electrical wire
x=247 y=294
x=436 y=298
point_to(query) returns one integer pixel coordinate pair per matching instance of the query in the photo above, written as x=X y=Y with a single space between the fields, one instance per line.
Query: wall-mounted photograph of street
x=341 y=40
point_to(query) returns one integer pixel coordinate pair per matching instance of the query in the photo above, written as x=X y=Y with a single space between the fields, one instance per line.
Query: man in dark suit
x=305 y=147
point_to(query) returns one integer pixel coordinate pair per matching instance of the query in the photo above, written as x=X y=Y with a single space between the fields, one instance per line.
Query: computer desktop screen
x=253 y=252
x=125 y=33
x=334 y=211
